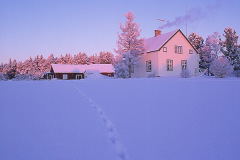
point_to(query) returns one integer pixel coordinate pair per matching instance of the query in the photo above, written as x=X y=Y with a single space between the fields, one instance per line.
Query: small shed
x=68 y=71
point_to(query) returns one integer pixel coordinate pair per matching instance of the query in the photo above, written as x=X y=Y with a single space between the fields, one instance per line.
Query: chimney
x=157 y=33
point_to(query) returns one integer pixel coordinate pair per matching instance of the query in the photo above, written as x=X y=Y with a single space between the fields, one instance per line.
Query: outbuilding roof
x=156 y=43
x=68 y=68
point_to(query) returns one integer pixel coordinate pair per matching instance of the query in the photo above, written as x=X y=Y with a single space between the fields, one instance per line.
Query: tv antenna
x=186 y=18
x=161 y=20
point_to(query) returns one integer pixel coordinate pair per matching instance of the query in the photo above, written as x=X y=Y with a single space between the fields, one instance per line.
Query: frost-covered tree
x=221 y=67
x=81 y=58
x=19 y=67
x=94 y=59
x=1 y=68
x=197 y=41
x=9 y=69
x=3 y=77
x=68 y=59
x=206 y=57
x=213 y=41
x=129 y=43
x=60 y=60
x=210 y=51
x=231 y=47
x=106 y=58
x=42 y=66
x=50 y=60
x=121 y=69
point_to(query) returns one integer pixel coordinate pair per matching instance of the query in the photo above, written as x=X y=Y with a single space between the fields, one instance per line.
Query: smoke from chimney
x=194 y=14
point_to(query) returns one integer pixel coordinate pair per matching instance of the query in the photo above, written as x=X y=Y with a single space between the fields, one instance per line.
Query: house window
x=164 y=49
x=190 y=51
x=169 y=65
x=78 y=76
x=148 y=66
x=178 y=49
x=65 y=76
x=184 y=64
x=109 y=75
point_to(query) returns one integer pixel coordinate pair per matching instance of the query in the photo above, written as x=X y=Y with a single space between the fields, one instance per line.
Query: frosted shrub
x=185 y=73
x=22 y=77
x=2 y=77
x=221 y=68
x=151 y=75
x=121 y=70
x=37 y=76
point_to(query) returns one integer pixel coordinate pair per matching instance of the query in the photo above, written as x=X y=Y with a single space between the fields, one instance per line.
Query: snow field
x=157 y=118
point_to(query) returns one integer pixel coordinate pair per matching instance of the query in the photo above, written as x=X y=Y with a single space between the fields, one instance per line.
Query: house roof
x=156 y=43
x=68 y=68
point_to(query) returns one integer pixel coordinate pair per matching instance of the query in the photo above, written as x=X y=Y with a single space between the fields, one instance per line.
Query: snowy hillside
x=108 y=119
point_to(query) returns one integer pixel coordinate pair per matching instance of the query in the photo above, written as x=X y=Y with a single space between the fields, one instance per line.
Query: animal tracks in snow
x=112 y=132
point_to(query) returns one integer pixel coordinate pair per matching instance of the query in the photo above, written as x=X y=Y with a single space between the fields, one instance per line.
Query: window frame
x=65 y=76
x=149 y=66
x=184 y=64
x=169 y=65
x=190 y=51
x=164 y=49
x=178 y=49
x=79 y=76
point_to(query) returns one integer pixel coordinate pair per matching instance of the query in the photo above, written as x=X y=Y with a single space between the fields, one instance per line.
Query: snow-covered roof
x=91 y=71
x=155 y=43
x=68 y=68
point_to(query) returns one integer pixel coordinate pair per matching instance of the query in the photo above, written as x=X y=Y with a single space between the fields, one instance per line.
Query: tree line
x=34 y=68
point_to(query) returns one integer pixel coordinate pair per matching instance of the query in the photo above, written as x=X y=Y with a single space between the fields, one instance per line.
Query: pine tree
x=68 y=59
x=81 y=58
x=42 y=67
x=106 y=58
x=19 y=67
x=210 y=51
x=60 y=60
x=1 y=68
x=129 y=45
x=94 y=59
x=196 y=41
x=206 y=57
x=231 y=48
x=50 y=60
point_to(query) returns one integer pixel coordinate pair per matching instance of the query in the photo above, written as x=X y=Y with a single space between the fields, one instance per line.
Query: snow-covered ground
x=108 y=119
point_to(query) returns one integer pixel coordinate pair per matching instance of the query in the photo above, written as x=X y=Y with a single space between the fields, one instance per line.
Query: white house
x=166 y=55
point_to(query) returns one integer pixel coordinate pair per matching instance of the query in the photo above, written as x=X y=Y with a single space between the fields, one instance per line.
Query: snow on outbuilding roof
x=68 y=68
x=155 y=43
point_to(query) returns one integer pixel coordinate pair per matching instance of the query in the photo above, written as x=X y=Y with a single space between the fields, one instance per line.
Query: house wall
x=159 y=59
x=60 y=75
x=70 y=75
x=192 y=59
x=73 y=75
x=140 y=68
x=108 y=74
